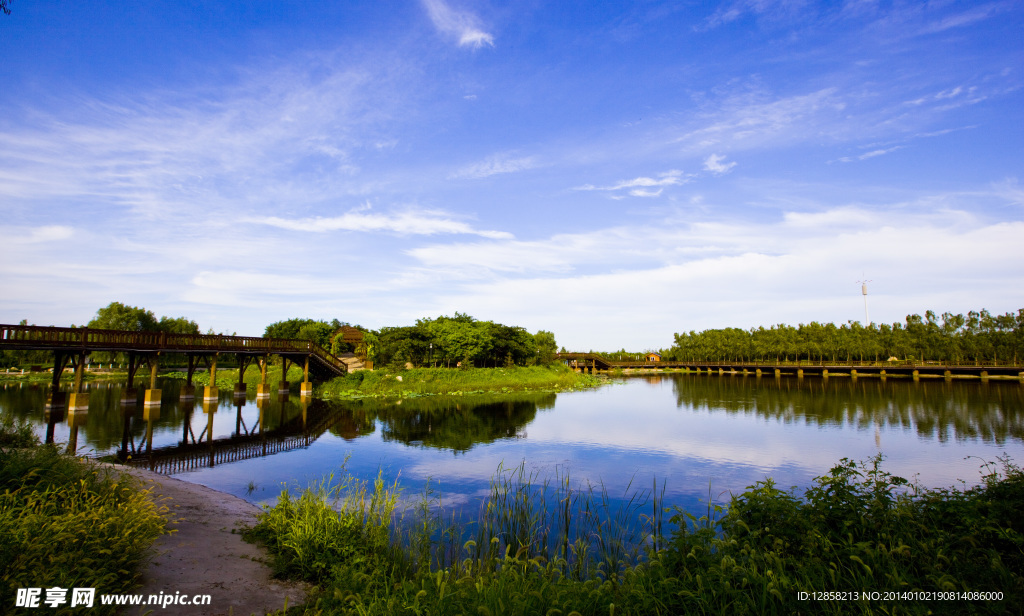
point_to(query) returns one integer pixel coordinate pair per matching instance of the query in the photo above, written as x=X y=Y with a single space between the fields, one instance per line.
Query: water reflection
x=992 y=411
x=690 y=431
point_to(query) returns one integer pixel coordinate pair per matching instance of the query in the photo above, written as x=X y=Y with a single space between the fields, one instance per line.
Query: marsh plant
x=540 y=547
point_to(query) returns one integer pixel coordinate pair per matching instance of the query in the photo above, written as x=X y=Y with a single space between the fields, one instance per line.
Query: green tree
x=180 y=325
x=546 y=346
x=127 y=318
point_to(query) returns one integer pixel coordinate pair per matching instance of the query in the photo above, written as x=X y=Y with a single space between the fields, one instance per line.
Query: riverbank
x=456 y=381
x=70 y=523
x=204 y=553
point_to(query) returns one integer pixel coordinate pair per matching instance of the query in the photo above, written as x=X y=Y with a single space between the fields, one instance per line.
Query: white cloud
x=714 y=164
x=461 y=25
x=495 y=165
x=673 y=177
x=408 y=222
x=871 y=154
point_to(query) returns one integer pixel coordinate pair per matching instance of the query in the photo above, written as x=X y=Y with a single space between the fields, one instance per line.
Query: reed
x=552 y=547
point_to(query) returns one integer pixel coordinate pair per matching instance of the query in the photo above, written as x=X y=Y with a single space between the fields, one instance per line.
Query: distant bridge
x=593 y=362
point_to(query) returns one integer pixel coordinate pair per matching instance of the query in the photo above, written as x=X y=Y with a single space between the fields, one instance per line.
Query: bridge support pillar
x=211 y=392
x=78 y=402
x=307 y=387
x=152 y=394
x=916 y=375
x=947 y=375
x=283 y=385
x=824 y=373
x=882 y=373
x=778 y=373
x=853 y=373
x=721 y=372
x=240 y=390
x=984 y=374
x=188 y=392
x=757 y=372
x=800 y=373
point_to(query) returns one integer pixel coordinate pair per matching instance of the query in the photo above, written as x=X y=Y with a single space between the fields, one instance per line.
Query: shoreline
x=205 y=553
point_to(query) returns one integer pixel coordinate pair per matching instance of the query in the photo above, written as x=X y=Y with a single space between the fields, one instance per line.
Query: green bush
x=69 y=523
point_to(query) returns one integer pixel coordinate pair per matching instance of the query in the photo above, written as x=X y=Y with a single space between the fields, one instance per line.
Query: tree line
x=978 y=337
x=458 y=340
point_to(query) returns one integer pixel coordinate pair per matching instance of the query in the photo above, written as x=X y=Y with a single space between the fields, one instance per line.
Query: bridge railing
x=31 y=336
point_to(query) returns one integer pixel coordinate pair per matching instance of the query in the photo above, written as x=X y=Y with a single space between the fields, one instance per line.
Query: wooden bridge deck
x=73 y=340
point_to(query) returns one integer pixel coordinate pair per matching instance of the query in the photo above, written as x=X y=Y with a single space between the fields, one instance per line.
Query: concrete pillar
x=78 y=402
x=824 y=373
x=853 y=373
x=947 y=375
x=188 y=392
x=984 y=374
x=263 y=390
x=211 y=392
x=799 y=373
x=720 y=372
x=240 y=390
x=916 y=375
x=778 y=373
x=307 y=389
x=152 y=394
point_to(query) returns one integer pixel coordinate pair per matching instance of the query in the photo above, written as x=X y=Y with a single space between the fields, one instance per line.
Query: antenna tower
x=864 y=292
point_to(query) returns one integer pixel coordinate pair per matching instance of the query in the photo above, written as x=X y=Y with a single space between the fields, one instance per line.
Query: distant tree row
x=977 y=337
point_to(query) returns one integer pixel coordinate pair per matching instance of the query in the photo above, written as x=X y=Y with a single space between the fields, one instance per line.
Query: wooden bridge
x=593 y=362
x=73 y=344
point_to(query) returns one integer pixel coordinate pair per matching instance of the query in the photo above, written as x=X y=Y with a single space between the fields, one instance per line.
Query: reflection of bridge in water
x=246 y=443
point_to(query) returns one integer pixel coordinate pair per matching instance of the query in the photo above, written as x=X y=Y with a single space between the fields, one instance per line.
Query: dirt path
x=207 y=556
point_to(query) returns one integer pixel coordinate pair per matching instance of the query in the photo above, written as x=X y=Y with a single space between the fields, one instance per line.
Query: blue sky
x=612 y=172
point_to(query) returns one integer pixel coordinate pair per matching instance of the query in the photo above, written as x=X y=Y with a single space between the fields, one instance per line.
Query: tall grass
x=552 y=548
x=69 y=523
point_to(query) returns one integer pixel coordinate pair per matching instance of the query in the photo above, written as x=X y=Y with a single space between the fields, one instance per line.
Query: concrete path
x=207 y=556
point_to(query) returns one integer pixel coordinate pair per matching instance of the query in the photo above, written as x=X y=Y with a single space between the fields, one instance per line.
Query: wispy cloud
x=715 y=164
x=871 y=154
x=495 y=165
x=967 y=17
x=640 y=186
x=462 y=25
x=410 y=222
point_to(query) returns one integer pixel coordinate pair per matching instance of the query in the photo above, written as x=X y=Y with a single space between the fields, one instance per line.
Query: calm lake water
x=699 y=434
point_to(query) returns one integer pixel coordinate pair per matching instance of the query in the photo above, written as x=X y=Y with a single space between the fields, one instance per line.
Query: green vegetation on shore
x=445 y=381
x=543 y=549
x=68 y=523
x=978 y=337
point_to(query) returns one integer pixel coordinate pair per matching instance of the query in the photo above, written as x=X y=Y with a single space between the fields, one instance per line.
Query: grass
x=68 y=523
x=447 y=381
x=540 y=548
